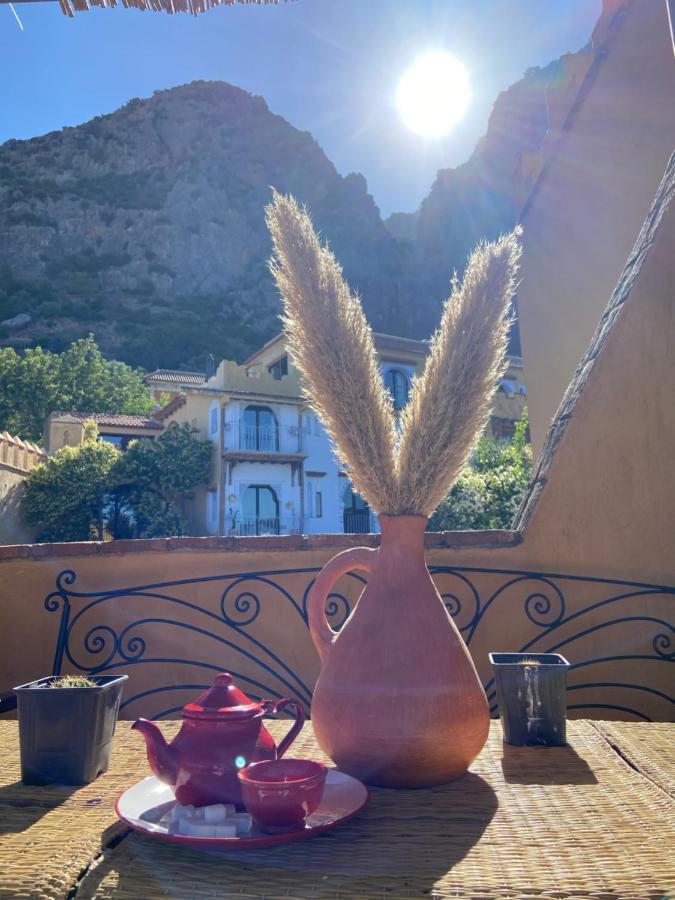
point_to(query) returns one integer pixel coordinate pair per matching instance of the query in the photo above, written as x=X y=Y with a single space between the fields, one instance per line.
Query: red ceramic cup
x=281 y=793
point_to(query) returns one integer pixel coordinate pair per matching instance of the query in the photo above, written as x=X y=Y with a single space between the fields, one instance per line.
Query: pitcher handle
x=354 y=558
x=300 y=718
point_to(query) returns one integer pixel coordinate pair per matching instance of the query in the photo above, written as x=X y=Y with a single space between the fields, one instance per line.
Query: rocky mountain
x=479 y=199
x=146 y=226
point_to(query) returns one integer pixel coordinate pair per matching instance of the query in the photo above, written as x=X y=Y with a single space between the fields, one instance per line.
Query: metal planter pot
x=532 y=697
x=66 y=733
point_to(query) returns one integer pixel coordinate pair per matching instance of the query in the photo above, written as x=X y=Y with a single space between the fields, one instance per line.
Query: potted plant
x=532 y=697
x=398 y=701
x=66 y=725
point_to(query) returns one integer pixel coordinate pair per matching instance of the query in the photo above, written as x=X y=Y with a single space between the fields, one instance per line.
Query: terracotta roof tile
x=115 y=420
x=175 y=375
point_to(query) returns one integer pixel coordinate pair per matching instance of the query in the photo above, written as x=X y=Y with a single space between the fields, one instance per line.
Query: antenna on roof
x=210 y=366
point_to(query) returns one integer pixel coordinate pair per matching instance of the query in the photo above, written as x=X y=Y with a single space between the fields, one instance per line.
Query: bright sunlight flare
x=433 y=94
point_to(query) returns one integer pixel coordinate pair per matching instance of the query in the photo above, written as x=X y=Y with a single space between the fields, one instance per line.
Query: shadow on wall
x=13 y=529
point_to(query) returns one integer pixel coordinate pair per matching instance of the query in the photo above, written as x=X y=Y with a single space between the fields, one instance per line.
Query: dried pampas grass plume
x=331 y=344
x=450 y=404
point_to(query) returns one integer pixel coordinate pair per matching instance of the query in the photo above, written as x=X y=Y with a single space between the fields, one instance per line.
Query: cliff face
x=479 y=199
x=147 y=227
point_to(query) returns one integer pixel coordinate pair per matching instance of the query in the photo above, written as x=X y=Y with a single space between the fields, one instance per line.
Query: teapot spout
x=161 y=755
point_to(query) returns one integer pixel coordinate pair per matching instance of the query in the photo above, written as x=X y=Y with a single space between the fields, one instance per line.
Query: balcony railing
x=259 y=525
x=357 y=522
x=261 y=438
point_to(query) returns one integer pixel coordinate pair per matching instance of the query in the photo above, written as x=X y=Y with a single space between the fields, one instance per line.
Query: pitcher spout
x=161 y=755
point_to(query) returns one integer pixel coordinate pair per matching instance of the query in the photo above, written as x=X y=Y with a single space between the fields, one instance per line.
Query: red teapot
x=222 y=732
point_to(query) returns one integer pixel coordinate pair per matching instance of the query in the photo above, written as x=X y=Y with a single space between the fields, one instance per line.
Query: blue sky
x=330 y=67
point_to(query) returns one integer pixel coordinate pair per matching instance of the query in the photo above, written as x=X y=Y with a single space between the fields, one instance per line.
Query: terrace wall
x=171 y=613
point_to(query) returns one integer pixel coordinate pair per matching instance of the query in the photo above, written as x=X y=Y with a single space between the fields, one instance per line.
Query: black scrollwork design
x=463 y=601
x=538 y=595
x=131 y=648
x=541 y=610
x=98 y=640
x=65 y=577
x=662 y=644
x=337 y=610
x=245 y=606
x=59 y=597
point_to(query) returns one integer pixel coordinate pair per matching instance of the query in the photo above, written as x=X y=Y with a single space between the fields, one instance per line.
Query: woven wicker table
x=593 y=820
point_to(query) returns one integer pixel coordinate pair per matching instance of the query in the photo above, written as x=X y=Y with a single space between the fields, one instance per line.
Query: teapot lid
x=223 y=700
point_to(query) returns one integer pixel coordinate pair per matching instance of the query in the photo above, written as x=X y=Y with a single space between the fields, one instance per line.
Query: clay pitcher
x=398 y=701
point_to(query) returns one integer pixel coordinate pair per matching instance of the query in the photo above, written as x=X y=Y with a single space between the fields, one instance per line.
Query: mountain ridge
x=146 y=225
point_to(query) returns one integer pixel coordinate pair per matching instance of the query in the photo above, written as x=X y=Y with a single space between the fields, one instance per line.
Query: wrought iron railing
x=617 y=634
x=357 y=522
x=261 y=438
x=261 y=525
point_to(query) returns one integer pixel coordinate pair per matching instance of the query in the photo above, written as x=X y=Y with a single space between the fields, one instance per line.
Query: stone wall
x=17 y=458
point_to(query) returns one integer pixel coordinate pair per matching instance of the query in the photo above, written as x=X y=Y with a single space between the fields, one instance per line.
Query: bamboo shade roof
x=194 y=7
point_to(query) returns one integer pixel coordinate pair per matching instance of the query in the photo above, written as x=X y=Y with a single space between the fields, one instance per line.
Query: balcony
x=256 y=525
x=243 y=437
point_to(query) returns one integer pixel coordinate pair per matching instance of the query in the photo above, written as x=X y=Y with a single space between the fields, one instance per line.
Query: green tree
x=93 y=491
x=152 y=477
x=65 y=498
x=488 y=492
x=37 y=382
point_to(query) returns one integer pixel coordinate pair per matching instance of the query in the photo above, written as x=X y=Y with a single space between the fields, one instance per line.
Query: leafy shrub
x=93 y=491
x=489 y=491
x=65 y=497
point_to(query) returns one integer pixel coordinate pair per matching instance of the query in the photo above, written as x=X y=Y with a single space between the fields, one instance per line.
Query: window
x=117 y=440
x=213 y=506
x=213 y=428
x=318 y=504
x=259 y=430
x=397 y=384
x=279 y=368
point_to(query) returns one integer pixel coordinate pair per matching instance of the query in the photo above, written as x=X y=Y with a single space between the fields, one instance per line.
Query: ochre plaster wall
x=176 y=630
x=591 y=201
x=608 y=493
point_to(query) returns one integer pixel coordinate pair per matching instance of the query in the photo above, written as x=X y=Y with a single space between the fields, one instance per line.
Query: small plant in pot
x=532 y=697
x=66 y=726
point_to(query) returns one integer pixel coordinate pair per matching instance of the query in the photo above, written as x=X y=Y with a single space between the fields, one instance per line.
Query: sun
x=433 y=94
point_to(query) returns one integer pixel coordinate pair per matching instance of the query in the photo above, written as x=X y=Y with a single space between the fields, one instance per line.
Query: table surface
x=594 y=819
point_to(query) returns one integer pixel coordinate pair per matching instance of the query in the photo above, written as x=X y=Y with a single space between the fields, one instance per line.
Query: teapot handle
x=300 y=718
x=354 y=558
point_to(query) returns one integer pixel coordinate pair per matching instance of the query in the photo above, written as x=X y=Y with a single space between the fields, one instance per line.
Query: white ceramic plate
x=143 y=805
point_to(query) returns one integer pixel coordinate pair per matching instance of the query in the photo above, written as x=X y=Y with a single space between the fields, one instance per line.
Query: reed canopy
x=404 y=466
x=194 y=7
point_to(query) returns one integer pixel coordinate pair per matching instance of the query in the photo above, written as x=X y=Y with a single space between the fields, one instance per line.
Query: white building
x=274 y=470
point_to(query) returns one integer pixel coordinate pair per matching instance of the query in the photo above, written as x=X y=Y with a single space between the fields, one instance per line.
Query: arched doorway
x=260 y=510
